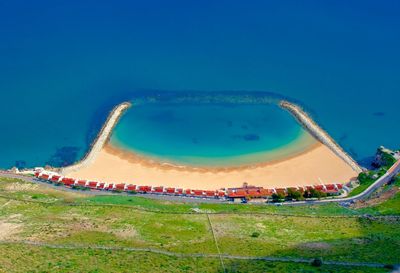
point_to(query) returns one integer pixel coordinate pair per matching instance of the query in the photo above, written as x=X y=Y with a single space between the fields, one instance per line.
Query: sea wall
x=101 y=138
x=308 y=123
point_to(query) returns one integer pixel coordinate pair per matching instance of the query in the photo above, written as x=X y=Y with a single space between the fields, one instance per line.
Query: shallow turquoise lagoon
x=209 y=134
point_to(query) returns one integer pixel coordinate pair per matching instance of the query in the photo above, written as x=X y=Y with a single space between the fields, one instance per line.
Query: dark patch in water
x=64 y=156
x=251 y=137
x=244 y=127
x=342 y=138
x=195 y=141
x=367 y=162
x=229 y=123
x=378 y=114
x=248 y=137
x=20 y=164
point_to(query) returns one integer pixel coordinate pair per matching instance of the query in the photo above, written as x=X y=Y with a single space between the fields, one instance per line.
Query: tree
x=313 y=193
x=294 y=195
x=277 y=197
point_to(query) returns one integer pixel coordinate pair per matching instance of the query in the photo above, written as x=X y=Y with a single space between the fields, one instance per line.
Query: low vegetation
x=76 y=232
x=367 y=178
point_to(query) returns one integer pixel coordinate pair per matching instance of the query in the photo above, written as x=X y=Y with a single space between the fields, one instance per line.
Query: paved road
x=95 y=192
x=387 y=177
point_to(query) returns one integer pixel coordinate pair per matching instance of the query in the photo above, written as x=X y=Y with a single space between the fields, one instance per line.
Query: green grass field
x=129 y=225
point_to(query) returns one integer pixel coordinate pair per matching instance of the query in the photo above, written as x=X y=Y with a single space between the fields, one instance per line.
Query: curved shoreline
x=315 y=130
x=101 y=139
x=108 y=163
x=145 y=161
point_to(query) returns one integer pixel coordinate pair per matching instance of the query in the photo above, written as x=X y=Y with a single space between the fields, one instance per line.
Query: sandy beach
x=315 y=166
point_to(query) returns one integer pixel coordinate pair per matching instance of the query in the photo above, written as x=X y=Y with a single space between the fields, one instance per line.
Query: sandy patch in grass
x=10 y=227
x=316 y=245
x=21 y=187
x=260 y=226
x=126 y=233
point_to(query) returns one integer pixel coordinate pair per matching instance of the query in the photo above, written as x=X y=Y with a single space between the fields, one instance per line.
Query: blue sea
x=65 y=64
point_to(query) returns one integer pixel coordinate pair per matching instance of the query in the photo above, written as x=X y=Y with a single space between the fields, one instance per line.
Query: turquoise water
x=206 y=134
x=65 y=64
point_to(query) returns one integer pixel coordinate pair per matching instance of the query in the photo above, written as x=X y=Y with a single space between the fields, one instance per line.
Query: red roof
x=101 y=185
x=188 y=191
x=131 y=187
x=308 y=188
x=109 y=187
x=145 y=188
x=179 y=191
x=280 y=190
x=319 y=187
x=210 y=193
x=55 y=178
x=221 y=193
x=330 y=187
x=37 y=174
x=158 y=189
x=339 y=186
x=92 y=184
x=268 y=192
x=68 y=181
x=81 y=182
x=170 y=190
x=120 y=186
x=44 y=176
x=237 y=194
x=198 y=192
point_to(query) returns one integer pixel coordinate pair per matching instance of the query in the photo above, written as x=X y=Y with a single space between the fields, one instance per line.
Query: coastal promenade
x=315 y=130
x=101 y=139
x=386 y=178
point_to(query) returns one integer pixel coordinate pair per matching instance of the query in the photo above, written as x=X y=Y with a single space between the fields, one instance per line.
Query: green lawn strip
x=347 y=239
x=177 y=207
x=361 y=188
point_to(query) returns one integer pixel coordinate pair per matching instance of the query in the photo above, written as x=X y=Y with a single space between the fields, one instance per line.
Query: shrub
x=389 y=266
x=277 y=197
x=317 y=262
x=294 y=195
x=255 y=234
x=313 y=193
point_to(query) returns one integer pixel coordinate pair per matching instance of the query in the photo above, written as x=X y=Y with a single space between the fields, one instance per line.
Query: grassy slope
x=68 y=218
x=37 y=259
